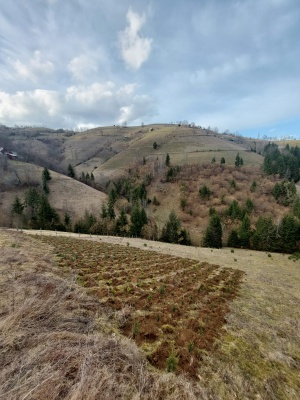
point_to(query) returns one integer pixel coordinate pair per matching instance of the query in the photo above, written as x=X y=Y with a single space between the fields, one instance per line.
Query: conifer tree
x=71 y=172
x=245 y=232
x=137 y=220
x=296 y=207
x=213 y=234
x=204 y=192
x=288 y=234
x=170 y=231
x=103 y=211
x=167 y=160
x=45 y=178
x=17 y=207
x=264 y=236
x=46 y=174
x=110 y=209
x=238 y=160
x=121 y=223
x=32 y=201
x=233 y=239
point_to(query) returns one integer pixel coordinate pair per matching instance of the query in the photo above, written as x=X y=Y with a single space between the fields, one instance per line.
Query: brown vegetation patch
x=171 y=300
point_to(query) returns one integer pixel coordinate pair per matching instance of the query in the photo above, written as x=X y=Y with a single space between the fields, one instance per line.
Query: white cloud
x=135 y=50
x=35 y=69
x=26 y=106
x=95 y=104
x=82 y=67
x=88 y=95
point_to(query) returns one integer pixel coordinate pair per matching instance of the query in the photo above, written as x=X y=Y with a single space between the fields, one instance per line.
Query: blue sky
x=231 y=64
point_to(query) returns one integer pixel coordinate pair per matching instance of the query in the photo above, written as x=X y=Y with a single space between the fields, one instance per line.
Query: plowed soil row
x=174 y=308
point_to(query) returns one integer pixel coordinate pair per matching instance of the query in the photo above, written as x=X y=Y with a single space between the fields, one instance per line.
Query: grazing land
x=62 y=325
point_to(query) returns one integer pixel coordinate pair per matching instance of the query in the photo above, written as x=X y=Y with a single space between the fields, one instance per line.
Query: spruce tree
x=213 y=234
x=71 y=172
x=296 y=207
x=170 y=231
x=32 y=201
x=17 y=207
x=110 y=209
x=136 y=220
x=167 y=160
x=233 y=239
x=46 y=177
x=288 y=234
x=46 y=174
x=121 y=223
x=204 y=192
x=245 y=232
x=264 y=236
x=104 y=213
x=222 y=160
x=238 y=160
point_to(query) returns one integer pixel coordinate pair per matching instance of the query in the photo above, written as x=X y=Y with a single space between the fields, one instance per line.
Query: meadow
x=72 y=319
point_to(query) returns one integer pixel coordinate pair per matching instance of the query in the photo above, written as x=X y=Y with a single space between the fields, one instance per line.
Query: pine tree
x=213 y=234
x=110 y=209
x=296 y=207
x=170 y=231
x=17 y=207
x=233 y=239
x=245 y=232
x=104 y=213
x=249 y=205
x=204 y=192
x=45 y=187
x=238 y=160
x=234 y=211
x=264 y=236
x=71 y=172
x=46 y=215
x=288 y=234
x=32 y=201
x=46 y=177
x=137 y=221
x=167 y=160
x=121 y=223
x=222 y=160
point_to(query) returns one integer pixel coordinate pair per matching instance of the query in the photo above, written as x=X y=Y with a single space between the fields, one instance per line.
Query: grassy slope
x=256 y=358
x=66 y=194
x=184 y=145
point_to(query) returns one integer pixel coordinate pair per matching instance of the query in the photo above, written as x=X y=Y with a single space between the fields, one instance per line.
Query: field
x=174 y=308
x=62 y=325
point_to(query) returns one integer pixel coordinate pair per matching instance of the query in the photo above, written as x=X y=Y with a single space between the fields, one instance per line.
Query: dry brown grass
x=258 y=356
x=59 y=343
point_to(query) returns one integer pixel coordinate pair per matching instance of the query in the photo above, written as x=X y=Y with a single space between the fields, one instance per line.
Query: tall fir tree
x=71 y=172
x=213 y=234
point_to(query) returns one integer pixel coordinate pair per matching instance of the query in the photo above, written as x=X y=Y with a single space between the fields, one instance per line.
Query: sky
x=75 y=64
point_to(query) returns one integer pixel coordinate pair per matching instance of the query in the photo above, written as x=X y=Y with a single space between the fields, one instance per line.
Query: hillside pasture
x=255 y=357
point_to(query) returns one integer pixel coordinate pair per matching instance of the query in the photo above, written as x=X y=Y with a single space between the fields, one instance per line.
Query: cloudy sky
x=231 y=64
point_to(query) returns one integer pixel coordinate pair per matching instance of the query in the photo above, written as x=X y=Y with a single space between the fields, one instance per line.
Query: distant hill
x=137 y=155
x=66 y=194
